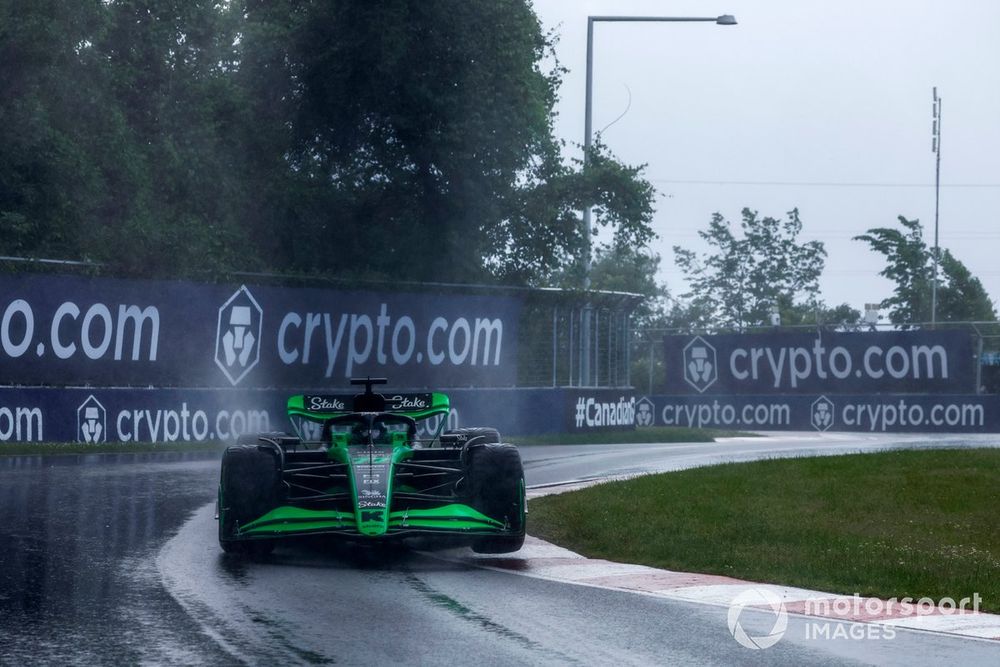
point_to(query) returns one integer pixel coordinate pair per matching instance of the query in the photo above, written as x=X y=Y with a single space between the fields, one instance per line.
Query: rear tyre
x=495 y=477
x=470 y=438
x=249 y=487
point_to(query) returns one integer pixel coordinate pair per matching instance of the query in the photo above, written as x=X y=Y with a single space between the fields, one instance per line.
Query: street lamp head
x=726 y=19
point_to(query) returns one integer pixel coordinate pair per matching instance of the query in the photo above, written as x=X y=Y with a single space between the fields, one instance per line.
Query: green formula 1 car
x=369 y=478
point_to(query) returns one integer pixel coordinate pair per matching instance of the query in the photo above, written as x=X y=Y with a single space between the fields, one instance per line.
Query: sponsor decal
x=21 y=423
x=323 y=403
x=941 y=362
x=408 y=402
x=821 y=414
x=700 y=365
x=91 y=421
x=592 y=413
x=645 y=412
x=886 y=413
x=96 y=332
x=238 y=334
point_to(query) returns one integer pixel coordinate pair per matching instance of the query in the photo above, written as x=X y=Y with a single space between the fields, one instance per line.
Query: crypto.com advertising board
x=127 y=415
x=59 y=330
x=869 y=413
x=902 y=362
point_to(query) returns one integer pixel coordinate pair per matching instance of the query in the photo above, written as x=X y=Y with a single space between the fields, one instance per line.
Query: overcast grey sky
x=797 y=95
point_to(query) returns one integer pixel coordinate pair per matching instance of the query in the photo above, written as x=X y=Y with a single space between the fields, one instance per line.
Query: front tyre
x=249 y=487
x=496 y=487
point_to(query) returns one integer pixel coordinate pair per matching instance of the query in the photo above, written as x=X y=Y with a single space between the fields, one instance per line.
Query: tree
x=910 y=264
x=742 y=278
x=623 y=268
x=117 y=135
x=821 y=314
x=402 y=140
x=48 y=176
x=169 y=70
x=414 y=140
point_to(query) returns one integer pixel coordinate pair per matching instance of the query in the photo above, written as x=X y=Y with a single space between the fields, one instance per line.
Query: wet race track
x=113 y=560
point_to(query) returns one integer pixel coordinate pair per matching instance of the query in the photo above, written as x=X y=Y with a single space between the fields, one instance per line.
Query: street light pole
x=936 y=148
x=585 y=333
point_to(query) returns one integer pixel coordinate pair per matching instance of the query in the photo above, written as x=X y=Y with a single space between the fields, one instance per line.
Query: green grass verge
x=642 y=435
x=904 y=523
x=76 y=448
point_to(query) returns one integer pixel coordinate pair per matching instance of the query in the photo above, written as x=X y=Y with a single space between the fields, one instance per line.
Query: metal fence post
x=628 y=349
x=555 y=341
x=979 y=364
x=649 y=387
x=597 y=348
x=611 y=348
x=572 y=312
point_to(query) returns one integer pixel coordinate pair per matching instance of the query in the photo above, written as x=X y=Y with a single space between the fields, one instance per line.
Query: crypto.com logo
x=700 y=367
x=645 y=412
x=821 y=414
x=766 y=601
x=91 y=422
x=237 y=338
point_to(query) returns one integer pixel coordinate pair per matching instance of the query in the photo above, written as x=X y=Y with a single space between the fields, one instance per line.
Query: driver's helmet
x=362 y=434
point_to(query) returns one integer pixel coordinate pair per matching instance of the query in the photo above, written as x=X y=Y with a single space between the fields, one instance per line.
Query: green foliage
x=910 y=264
x=402 y=139
x=818 y=313
x=47 y=174
x=419 y=141
x=625 y=268
x=736 y=284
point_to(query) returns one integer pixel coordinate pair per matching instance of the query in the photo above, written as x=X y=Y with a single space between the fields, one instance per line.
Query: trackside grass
x=639 y=435
x=888 y=524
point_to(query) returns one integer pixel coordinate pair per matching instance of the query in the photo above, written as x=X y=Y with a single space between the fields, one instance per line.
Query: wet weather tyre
x=249 y=487
x=496 y=488
x=473 y=437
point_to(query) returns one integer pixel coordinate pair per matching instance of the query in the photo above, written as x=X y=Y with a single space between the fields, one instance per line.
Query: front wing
x=452 y=518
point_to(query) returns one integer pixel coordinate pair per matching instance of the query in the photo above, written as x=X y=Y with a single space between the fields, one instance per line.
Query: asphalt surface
x=113 y=560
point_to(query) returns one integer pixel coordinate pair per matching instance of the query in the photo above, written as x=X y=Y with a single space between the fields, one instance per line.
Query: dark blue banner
x=91 y=415
x=78 y=331
x=599 y=409
x=884 y=413
x=924 y=362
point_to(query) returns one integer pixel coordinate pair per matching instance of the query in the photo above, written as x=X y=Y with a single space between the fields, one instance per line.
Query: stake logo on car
x=406 y=402
x=324 y=403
